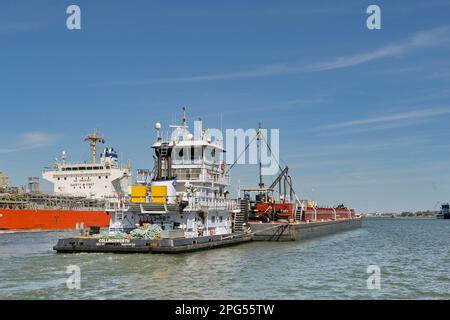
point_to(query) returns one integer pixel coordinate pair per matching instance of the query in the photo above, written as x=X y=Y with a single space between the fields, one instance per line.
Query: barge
x=276 y=213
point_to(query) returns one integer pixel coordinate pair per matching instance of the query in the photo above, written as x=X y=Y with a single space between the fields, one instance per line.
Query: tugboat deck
x=127 y=245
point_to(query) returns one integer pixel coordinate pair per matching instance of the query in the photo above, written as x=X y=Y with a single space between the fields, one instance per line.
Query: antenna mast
x=94 y=138
x=184 y=118
x=261 y=183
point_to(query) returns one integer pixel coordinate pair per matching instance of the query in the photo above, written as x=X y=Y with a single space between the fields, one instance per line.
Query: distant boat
x=445 y=212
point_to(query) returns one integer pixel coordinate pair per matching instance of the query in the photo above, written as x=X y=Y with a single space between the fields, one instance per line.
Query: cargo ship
x=79 y=199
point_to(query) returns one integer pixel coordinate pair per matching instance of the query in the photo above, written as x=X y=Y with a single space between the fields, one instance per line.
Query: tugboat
x=445 y=212
x=181 y=206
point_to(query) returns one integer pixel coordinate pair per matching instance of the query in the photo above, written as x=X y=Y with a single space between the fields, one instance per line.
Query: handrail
x=195 y=203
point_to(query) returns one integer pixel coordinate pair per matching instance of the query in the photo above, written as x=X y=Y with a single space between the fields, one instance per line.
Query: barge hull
x=96 y=245
x=301 y=231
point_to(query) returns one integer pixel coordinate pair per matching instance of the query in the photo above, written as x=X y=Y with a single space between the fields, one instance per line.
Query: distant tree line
x=428 y=213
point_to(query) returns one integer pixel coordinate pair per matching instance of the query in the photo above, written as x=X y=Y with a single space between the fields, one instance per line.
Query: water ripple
x=412 y=253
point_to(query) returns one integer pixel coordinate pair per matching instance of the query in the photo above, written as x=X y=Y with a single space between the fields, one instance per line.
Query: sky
x=363 y=114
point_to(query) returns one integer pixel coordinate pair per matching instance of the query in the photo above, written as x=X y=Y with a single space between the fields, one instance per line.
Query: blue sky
x=364 y=115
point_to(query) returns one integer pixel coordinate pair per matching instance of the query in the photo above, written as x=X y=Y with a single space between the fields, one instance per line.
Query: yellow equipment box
x=159 y=194
x=138 y=194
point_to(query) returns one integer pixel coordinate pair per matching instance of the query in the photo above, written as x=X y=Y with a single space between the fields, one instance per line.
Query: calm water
x=413 y=255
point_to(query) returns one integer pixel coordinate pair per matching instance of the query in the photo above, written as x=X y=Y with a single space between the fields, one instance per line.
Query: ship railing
x=76 y=167
x=197 y=203
x=116 y=205
x=194 y=203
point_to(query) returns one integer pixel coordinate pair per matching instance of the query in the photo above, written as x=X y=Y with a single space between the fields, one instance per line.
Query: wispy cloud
x=352 y=149
x=408 y=115
x=424 y=39
x=31 y=140
x=17 y=26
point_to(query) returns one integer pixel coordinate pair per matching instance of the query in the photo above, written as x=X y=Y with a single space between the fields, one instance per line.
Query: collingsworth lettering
x=114 y=240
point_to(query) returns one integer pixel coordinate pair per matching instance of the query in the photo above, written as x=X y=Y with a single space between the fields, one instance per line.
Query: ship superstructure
x=104 y=180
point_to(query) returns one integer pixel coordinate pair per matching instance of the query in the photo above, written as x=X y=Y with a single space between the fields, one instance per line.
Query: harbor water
x=412 y=254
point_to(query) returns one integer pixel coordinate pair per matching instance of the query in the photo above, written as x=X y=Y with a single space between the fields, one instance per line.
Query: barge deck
x=301 y=231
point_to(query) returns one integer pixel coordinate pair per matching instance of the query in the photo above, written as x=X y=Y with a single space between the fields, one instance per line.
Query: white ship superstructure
x=187 y=195
x=104 y=180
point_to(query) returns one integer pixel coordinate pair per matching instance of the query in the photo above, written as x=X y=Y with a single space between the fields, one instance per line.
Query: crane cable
x=271 y=153
x=238 y=158
x=279 y=166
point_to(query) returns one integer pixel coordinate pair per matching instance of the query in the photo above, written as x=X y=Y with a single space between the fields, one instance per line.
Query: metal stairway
x=299 y=214
x=241 y=218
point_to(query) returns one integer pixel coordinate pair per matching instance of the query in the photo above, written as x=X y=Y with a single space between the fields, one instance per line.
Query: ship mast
x=184 y=125
x=261 y=183
x=94 y=138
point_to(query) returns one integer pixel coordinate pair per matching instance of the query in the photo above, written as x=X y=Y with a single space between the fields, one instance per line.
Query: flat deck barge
x=276 y=231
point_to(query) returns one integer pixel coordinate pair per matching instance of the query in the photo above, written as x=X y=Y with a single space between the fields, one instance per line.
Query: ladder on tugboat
x=241 y=217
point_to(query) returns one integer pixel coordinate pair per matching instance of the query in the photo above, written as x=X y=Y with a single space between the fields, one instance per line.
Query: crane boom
x=278 y=179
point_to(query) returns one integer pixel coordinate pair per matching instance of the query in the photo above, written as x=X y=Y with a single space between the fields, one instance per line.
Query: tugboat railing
x=194 y=203
x=198 y=203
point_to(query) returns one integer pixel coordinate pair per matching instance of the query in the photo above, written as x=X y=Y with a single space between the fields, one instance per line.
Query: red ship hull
x=17 y=220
